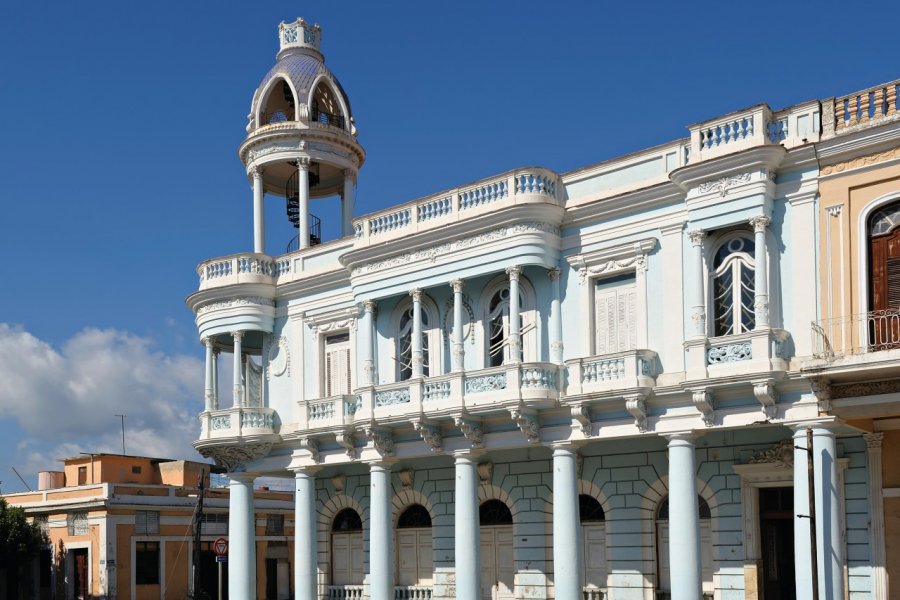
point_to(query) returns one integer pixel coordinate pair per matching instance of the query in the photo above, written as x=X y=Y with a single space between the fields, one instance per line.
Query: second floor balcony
x=865 y=340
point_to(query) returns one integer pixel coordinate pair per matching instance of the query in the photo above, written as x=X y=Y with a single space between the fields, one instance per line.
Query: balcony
x=237 y=423
x=611 y=372
x=860 y=110
x=357 y=592
x=237 y=269
x=869 y=340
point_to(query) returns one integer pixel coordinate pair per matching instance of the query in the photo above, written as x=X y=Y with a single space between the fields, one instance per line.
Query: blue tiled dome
x=302 y=70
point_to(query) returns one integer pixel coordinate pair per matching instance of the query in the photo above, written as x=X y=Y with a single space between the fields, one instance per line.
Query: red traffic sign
x=220 y=547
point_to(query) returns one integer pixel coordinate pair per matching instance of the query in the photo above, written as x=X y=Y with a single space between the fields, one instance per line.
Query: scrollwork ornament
x=279 y=358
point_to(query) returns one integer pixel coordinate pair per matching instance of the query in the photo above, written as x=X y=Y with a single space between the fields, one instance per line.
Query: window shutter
x=893 y=282
x=615 y=316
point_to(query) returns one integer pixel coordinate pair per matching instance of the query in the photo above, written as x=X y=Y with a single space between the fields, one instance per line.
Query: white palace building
x=587 y=385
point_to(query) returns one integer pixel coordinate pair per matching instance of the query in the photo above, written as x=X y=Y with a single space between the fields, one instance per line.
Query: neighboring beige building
x=122 y=527
x=856 y=360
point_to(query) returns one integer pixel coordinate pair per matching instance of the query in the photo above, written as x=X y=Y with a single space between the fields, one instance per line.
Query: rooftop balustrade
x=866 y=108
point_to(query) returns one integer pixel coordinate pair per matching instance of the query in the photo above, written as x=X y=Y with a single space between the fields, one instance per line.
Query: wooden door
x=593 y=537
x=80 y=574
x=347 y=558
x=497 y=563
x=884 y=320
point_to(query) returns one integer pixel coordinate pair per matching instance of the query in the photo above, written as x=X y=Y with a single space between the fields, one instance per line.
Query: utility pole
x=123 y=432
x=198 y=525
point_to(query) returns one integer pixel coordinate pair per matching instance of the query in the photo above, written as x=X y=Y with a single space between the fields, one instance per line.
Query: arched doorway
x=664 y=583
x=884 y=284
x=347 y=548
x=415 y=557
x=593 y=538
x=497 y=562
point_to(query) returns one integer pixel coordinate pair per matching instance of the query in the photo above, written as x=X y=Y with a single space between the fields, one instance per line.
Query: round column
x=237 y=398
x=208 y=383
x=241 y=537
x=459 y=349
x=761 y=273
x=347 y=204
x=684 y=520
x=418 y=356
x=802 y=547
x=876 y=515
x=259 y=223
x=367 y=342
x=303 y=203
x=556 y=343
x=830 y=551
x=381 y=542
x=568 y=562
x=515 y=322
x=698 y=303
x=467 y=529
x=305 y=536
x=215 y=379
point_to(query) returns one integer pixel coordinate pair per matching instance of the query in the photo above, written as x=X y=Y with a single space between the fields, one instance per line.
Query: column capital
x=681 y=438
x=304 y=472
x=514 y=272
x=255 y=172
x=242 y=477
x=760 y=223
x=369 y=306
x=564 y=448
x=207 y=341
x=457 y=285
x=237 y=335
x=416 y=294
x=834 y=211
x=696 y=236
x=553 y=273
x=350 y=174
x=303 y=163
x=873 y=440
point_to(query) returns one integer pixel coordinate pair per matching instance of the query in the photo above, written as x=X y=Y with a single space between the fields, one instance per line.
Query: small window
x=214 y=524
x=494 y=512
x=347 y=520
x=136 y=470
x=77 y=523
x=275 y=525
x=146 y=521
x=82 y=475
x=615 y=314
x=416 y=516
x=146 y=569
x=589 y=509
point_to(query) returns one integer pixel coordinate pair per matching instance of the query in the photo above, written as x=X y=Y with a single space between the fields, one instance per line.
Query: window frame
x=433 y=332
x=143 y=575
x=531 y=341
x=716 y=243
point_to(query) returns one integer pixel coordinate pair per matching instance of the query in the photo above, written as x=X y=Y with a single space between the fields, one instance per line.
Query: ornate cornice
x=382 y=440
x=235 y=457
x=611 y=260
x=703 y=401
x=581 y=414
x=862 y=161
x=333 y=320
x=431 y=434
x=723 y=184
x=235 y=302
x=868 y=388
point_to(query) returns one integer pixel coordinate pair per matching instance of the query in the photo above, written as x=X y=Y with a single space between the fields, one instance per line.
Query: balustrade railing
x=327 y=118
x=412 y=592
x=331 y=411
x=866 y=106
x=345 y=592
x=862 y=333
x=453 y=205
x=240 y=267
x=622 y=370
x=590 y=592
x=237 y=421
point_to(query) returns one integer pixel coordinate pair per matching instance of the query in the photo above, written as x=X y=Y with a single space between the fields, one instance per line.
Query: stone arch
x=405 y=499
x=489 y=491
x=324 y=518
x=264 y=95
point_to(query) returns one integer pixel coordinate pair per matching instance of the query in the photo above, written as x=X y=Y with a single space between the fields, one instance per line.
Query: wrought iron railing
x=315 y=235
x=326 y=118
x=873 y=331
x=277 y=116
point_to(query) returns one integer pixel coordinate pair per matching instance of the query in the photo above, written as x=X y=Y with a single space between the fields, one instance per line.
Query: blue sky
x=119 y=168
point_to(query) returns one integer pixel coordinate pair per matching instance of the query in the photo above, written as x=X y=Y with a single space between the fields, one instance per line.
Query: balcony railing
x=327 y=118
x=412 y=592
x=345 y=592
x=591 y=592
x=239 y=421
x=869 y=107
x=861 y=333
x=619 y=371
x=401 y=592
x=521 y=186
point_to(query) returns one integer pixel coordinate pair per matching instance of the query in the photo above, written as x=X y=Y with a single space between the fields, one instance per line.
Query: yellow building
x=122 y=527
x=856 y=360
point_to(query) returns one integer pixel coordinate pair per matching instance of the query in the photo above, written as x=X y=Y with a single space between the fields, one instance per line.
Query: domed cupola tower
x=301 y=138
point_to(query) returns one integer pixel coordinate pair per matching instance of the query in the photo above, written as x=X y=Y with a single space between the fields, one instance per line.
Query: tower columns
x=259 y=224
x=238 y=398
x=303 y=203
x=305 y=538
x=567 y=549
x=347 y=204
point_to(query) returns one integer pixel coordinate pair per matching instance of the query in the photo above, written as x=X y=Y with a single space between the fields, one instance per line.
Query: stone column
x=761 y=273
x=876 y=517
x=208 y=389
x=238 y=396
x=802 y=548
x=381 y=539
x=684 y=519
x=367 y=342
x=515 y=322
x=830 y=552
x=418 y=356
x=241 y=537
x=698 y=301
x=305 y=536
x=347 y=204
x=303 y=203
x=259 y=219
x=215 y=378
x=556 y=342
x=467 y=529
x=568 y=562
x=458 y=352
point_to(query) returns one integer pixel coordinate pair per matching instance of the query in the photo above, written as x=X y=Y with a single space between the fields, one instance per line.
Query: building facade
x=123 y=527
x=606 y=383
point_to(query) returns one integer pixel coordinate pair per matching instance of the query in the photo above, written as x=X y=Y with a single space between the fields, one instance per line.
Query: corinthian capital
x=696 y=236
x=514 y=272
x=760 y=223
x=457 y=285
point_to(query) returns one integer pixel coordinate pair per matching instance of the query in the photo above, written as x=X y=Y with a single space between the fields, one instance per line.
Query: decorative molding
x=514 y=272
x=579 y=465
x=471 y=429
x=391 y=397
x=311 y=446
x=382 y=440
x=612 y=260
x=448 y=319
x=406 y=478
x=764 y=391
x=581 y=414
x=821 y=387
x=345 y=440
x=339 y=482
x=485 y=383
x=703 y=401
x=554 y=273
x=527 y=421
x=779 y=455
x=636 y=406
x=723 y=184
x=235 y=458
x=696 y=236
x=278 y=358
x=485 y=472
x=834 y=211
x=873 y=440
x=431 y=434
x=868 y=388
x=235 y=302
x=416 y=294
x=726 y=353
x=219 y=422
x=862 y=161
x=334 y=320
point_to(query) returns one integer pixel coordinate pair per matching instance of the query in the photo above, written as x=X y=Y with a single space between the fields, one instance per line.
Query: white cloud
x=65 y=400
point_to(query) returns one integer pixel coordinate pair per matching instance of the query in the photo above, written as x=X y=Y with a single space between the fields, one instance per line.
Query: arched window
x=325 y=107
x=494 y=512
x=494 y=311
x=662 y=545
x=415 y=555
x=347 y=548
x=404 y=344
x=593 y=537
x=498 y=326
x=279 y=104
x=732 y=283
x=884 y=274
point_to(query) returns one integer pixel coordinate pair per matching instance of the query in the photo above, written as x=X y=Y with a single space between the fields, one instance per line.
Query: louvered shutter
x=615 y=316
x=337 y=369
x=893 y=282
